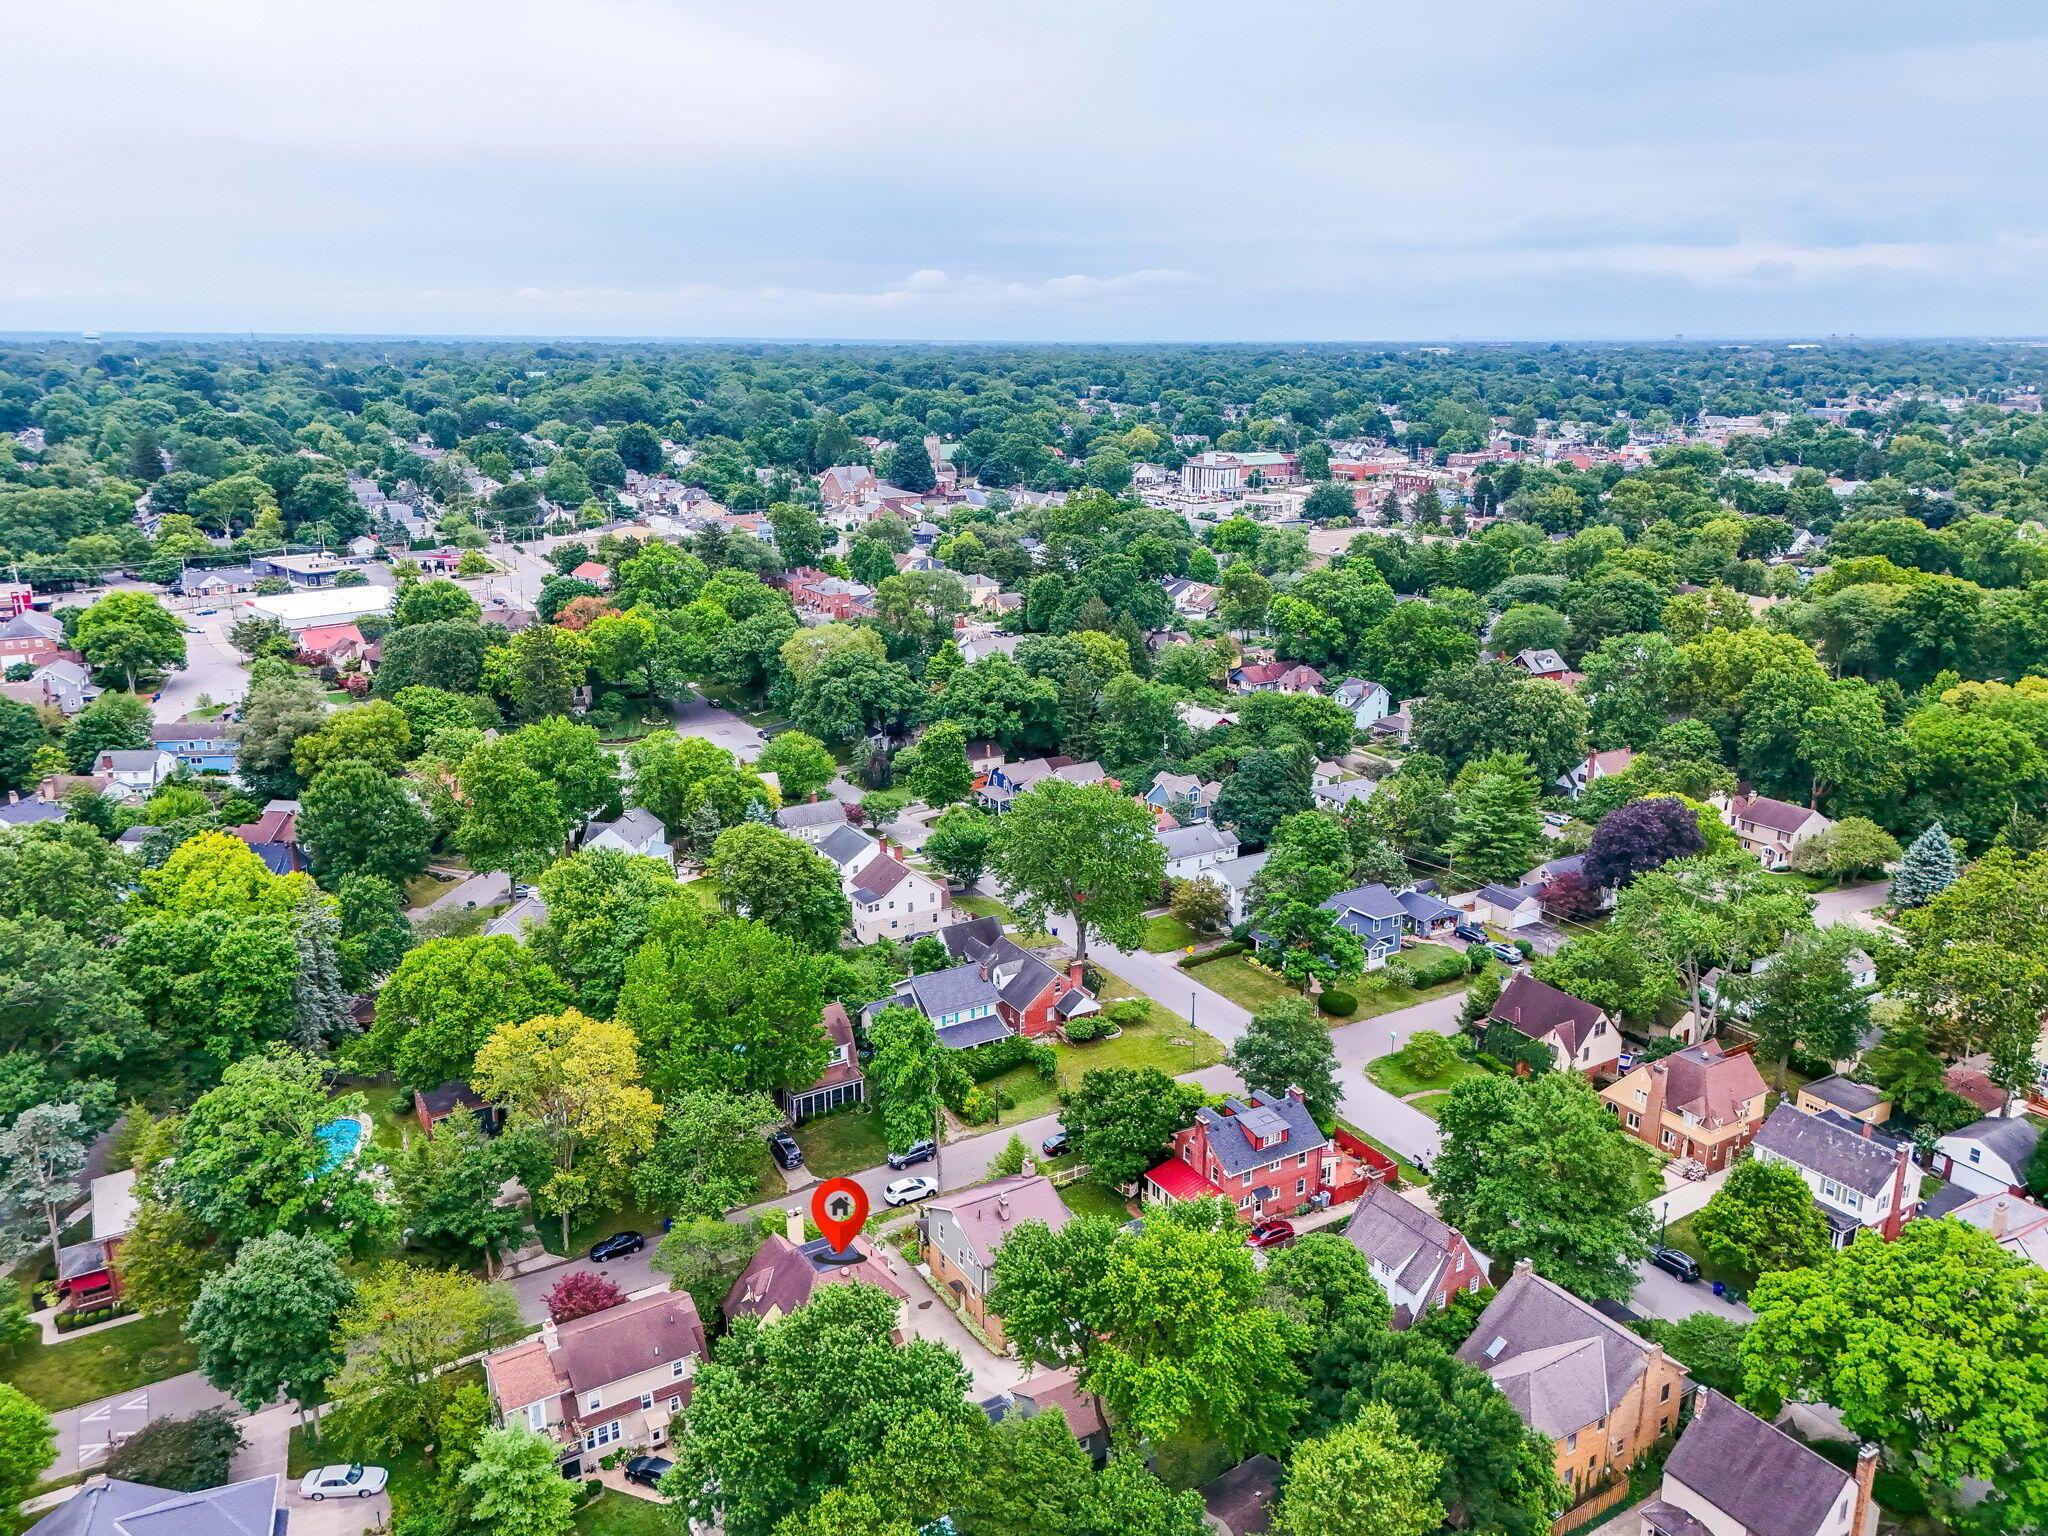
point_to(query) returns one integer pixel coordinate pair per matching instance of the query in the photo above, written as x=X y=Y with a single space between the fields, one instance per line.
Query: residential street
x=213 y=669
x=84 y=1434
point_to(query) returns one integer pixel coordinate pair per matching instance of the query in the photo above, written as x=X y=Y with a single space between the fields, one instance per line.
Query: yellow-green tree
x=572 y=1084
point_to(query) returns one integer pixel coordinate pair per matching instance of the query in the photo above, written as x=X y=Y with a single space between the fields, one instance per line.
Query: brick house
x=1581 y=1037
x=960 y=1234
x=1699 y=1103
x=1603 y=1395
x=614 y=1378
x=787 y=1271
x=1420 y=1260
x=1267 y=1157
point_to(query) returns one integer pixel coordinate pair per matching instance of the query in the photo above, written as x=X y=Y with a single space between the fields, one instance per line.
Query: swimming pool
x=341 y=1137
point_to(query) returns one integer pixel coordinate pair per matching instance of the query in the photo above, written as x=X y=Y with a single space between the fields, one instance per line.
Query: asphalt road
x=85 y=1434
x=213 y=669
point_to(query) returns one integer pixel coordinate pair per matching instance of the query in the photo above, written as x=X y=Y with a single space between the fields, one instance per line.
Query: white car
x=907 y=1191
x=353 y=1481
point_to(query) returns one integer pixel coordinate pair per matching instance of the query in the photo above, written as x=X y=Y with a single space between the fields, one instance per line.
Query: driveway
x=213 y=669
x=1853 y=904
x=696 y=716
x=485 y=890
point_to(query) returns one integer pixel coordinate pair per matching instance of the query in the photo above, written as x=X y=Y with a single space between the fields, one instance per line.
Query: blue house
x=204 y=746
x=1376 y=916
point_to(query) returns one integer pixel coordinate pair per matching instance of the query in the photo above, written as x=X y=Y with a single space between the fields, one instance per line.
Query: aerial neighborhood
x=1395 y=939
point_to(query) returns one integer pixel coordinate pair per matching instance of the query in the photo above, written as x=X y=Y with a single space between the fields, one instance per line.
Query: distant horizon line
x=518 y=338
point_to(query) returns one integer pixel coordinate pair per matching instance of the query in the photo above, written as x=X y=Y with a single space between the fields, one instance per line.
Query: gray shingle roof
x=1188 y=842
x=636 y=826
x=2013 y=1140
x=1845 y=1093
x=812 y=813
x=844 y=845
x=1400 y=1235
x=1367 y=900
x=953 y=990
x=1759 y=1476
x=116 y=1508
x=959 y=1037
x=1561 y=1363
x=1227 y=1128
x=1864 y=1163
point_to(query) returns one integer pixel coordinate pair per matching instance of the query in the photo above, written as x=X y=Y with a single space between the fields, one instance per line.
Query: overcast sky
x=1032 y=170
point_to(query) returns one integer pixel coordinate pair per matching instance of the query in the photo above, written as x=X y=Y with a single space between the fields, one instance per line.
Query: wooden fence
x=1579 y=1515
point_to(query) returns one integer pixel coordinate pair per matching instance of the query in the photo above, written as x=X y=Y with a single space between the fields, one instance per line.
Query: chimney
x=1524 y=1267
x=796 y=1226
x=1074 y=974
x=550 y=1339
x=1999 y=1214
x=1866 y=1475
x=1003 y=1206
x=1027 y=1169
x=1294 y=1092
x=1866 y=1130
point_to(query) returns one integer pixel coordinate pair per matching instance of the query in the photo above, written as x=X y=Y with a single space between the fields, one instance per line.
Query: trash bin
x=1720 y=1288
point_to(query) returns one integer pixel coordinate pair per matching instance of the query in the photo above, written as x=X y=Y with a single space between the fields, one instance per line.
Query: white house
x=1193 y=851
x=1989 y=1156
x=1236 y=876
x=1732 y=1474
x=1769 y=828
x=137 y=772
x=1505 y=906
x=1367 y=701
x=890 y=900
x=638 y=832
x=1858 y=1177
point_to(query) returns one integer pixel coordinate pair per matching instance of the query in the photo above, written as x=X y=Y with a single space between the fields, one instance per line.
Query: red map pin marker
x=839 y=1207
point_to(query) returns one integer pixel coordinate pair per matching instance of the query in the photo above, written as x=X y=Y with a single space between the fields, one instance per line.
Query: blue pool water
x=340 y=1138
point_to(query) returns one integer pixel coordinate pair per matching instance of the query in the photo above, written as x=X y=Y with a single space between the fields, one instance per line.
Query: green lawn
x=1410 y=1174
x=981 y=906
x=1085 y=1197
x=1392 y=1074
x=1431 y=1104
x=845 y=1141
x=704 y=889
x=1167 y=932
x=412 y=1476
x=1253 y=987
x=121 y=1359
x=589 y=1230
x=613 y=1513
x=1150 y=1044
x=1793 y=880
x=421 y=889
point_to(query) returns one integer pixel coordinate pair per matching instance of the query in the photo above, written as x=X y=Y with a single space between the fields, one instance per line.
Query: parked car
x=343 y=1481
x=617 y=1246
x=1471 y=933
x=787 y=1152
x=1055 y=1145
x=920 y=1186
x=648 y=1471
x=1676 y=1261
x=1506 y=954
x=917 y=1152
x=1556 y=819
x=1271 y=1233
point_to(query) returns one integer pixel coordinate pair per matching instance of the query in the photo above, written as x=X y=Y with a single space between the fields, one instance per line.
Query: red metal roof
x=1177 y=1181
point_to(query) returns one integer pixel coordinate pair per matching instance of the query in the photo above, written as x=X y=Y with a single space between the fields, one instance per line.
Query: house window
x=594 y=1403
x=1301 y=1161
x=1301 y=1186
x=1976 y=1154
x=1663 y=1423
x=675 y=1369
x=1634 y=1120
x=646 y=1401
x=1670 y=1139
x=675 y=1404
x=604 y=1434
x=1571 y=1442
x=537 y=1415
x=1665 y=1395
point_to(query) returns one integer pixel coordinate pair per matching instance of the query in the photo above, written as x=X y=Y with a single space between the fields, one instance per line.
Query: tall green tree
x=130 y=633
x=1927 y=869
x=1121 y=1119
x=41 y=1155
x=1763 y=1218
x=905 y=1072
x=1082 y=852
x=28 y=1444
x=513 y=1483
x=767 y=876
x=707 y=1153
x=1365 y=1477
x=405 y=1325
x=448 y=1187
x=265 y=1324
x=356 y=820
x=1496 y=832
x=1537 y=1168
x=726 y=1004
x=512 y=820
x=802 y=765
x=1807 y=1001
x=1286 y=1046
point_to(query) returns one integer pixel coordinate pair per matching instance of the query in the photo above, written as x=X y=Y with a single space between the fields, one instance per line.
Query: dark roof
x=1846 y=1093
x=1778 y=815
x=1425 y=908
x=842 y=845
x=972 y=937
x=80 y=1259
x=878 y=877
x=1561 y=1363
x=812 y=813
x=1829 y=1148
x=1231 y=1127
x=116 y=1508
x=1367 y=900
x=446 y=1099
x=29 y=813
x=1759 y=1476
x=1241 y=1499
x=634 y=1336
x=958 y=1037
x=1509 y=895
x=2012 y=1139
x=1535 y=1008
x=782 y=1276
x=1400 y=1235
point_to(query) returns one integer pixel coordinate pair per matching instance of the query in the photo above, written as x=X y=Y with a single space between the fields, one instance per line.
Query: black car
x=648 y=1471
x=1676 y=1261
x=1471 y=933
x=786 y=1151
x=916 y=1152
x=617 y=1246
x=1054 y=1145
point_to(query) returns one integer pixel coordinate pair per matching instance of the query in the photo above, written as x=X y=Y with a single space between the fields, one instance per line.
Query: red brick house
x=1267 y=1157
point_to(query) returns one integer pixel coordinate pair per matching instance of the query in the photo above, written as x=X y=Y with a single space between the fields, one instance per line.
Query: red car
x=1274 y=1233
